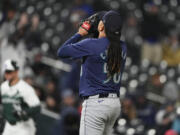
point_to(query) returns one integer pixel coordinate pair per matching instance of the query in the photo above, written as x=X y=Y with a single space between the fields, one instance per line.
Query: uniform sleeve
x=29 y=96
x=31 y=99
x=2 y=86
x=74 y=49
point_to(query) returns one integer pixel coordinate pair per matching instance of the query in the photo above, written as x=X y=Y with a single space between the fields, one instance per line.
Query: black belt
x=102 y=95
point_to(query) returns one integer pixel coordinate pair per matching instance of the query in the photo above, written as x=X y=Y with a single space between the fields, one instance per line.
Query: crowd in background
x=150 y=92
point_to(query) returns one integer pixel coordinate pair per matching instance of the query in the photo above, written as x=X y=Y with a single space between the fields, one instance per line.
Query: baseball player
x=100 y=79
x=20 y=103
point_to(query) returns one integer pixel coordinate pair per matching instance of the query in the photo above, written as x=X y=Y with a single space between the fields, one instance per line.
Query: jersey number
x=116 y=77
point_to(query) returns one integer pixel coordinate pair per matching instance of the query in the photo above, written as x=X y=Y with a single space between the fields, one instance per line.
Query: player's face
x=10 y=75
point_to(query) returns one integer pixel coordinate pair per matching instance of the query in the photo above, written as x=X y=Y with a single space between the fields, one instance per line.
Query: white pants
x=99 y=115
x=21 y=128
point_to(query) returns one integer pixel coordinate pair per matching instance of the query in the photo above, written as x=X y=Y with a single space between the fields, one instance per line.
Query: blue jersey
x=93 y=77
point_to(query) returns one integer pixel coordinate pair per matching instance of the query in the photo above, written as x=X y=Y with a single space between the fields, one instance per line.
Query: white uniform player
x=20 y=103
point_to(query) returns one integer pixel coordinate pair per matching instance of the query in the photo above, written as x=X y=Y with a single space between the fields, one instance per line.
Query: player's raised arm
x=74 y=49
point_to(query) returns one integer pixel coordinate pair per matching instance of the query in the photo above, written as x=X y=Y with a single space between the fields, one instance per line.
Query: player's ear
x=101 y=26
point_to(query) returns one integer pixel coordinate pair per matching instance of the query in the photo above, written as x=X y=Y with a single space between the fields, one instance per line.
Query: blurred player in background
x=20 y=103
x=103 y=63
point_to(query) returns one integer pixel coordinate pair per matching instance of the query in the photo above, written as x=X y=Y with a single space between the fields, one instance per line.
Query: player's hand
x=84 y=28
x=12 y=120
x=21 y=115
x=82 y=32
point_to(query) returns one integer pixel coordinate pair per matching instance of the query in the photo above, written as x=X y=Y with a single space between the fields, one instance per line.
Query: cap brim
x=9 y=70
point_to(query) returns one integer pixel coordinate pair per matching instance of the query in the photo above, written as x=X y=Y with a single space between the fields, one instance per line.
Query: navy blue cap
x=113 y=22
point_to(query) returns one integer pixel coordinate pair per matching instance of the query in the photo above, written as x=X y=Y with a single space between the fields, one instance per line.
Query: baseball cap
x=112 y=22
x=10 y=65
